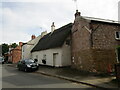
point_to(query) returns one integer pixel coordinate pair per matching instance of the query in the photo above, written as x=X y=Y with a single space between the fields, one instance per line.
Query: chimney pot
x=52 y=27
x=20 y=43
x=77 y=13
x=33 y=37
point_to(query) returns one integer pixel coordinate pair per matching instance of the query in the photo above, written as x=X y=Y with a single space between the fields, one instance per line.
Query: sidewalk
x=101 y=81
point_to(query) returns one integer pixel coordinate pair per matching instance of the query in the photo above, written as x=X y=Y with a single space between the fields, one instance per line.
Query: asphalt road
x=12 y=78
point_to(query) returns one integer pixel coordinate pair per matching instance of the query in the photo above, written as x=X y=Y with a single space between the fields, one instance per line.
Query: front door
x=55 y=55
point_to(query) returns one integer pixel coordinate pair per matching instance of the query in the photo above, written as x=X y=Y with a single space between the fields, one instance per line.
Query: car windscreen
x=29 y=61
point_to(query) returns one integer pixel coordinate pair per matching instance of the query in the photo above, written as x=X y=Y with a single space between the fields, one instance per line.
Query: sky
x=19 y=19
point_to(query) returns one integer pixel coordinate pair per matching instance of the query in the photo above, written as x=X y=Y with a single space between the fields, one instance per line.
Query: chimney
x=43 y=33
x=52 y=27
x=77 y=13
x=20 y=43
x=33 y=37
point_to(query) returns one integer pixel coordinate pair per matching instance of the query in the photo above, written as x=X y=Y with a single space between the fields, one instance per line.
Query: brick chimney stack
x=20 y=43
x=33 y=37
x=77 y=14
x=52 y=27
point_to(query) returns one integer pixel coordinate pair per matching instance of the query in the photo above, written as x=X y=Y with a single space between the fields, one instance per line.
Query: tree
x=13 y=45
x=5 y=48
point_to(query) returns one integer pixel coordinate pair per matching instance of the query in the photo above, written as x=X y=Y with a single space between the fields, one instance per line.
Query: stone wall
x=81 y=47
x=94 y=45
x=104 y=46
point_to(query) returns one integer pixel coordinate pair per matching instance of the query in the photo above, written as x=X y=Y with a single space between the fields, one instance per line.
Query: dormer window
x=68 y=42
x=117 y=35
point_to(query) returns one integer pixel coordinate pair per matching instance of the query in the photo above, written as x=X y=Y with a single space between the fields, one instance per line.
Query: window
x=44 y=59
x=36 y=56
x=118 y=54
x=44 y=56
x=68 y=42
x=117 y=35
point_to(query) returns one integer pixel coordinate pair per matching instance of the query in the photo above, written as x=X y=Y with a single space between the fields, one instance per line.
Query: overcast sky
x=22 y=18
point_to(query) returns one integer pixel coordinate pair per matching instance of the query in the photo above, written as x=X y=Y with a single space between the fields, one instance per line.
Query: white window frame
x=118 y=38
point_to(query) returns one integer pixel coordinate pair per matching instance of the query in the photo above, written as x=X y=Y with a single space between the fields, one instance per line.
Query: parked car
x=27 y=65
x=2 y=60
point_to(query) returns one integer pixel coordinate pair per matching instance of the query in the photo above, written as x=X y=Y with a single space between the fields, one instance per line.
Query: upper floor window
x=68 y=42
x=117 y=35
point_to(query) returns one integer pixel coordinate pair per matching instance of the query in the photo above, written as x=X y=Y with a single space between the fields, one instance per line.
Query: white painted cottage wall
x=26 y=49
x=66 y=55
x=49 y=56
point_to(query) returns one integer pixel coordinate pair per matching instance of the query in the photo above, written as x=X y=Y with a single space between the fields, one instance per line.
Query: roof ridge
x=100 y=19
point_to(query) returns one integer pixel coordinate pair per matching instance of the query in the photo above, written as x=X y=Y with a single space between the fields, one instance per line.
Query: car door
x=23 y=65
x=20 y=65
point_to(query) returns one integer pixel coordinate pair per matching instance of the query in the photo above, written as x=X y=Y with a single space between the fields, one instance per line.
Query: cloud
x=22 y=18
x=31 y=17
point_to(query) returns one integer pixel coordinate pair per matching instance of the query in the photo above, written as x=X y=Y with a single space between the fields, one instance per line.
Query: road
x=12 y=78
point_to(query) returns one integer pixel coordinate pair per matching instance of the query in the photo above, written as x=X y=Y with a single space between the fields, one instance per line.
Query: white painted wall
x=63 y=57
x=26 y=49
x=49 y=56
x=66 y=55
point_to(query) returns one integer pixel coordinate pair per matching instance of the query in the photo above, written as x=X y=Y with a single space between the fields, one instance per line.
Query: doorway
x=55 y=57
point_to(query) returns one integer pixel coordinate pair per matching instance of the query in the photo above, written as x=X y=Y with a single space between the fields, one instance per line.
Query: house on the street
x=94 y=43
x=14 y=54
x=27 y=47
x=54 y=49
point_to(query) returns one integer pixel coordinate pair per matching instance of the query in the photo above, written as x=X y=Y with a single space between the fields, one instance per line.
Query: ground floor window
x=44 y=59
x=117 y=35
x=118 y=54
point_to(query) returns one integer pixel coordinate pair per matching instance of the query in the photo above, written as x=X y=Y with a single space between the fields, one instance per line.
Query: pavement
x=103 y=81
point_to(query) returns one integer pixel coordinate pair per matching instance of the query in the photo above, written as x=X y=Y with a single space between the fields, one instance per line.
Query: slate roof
x=102 y=20
x=54 y=39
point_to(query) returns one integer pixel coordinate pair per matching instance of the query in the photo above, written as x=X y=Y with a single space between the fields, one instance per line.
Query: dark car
x=27 y=65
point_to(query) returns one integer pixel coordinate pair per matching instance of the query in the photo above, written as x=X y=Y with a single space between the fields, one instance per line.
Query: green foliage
x=5 y=48
x=13 y=45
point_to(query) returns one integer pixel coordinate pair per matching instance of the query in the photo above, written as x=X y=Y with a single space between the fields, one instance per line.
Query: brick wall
x=16 y=55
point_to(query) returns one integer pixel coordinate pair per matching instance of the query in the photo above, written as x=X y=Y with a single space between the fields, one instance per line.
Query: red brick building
x=15 y=54
x=94 y=43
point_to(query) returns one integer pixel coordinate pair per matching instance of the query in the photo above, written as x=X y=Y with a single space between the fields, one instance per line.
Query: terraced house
x=94 y=43
x=28 y=46
x=54 y=48
x=89 y=44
